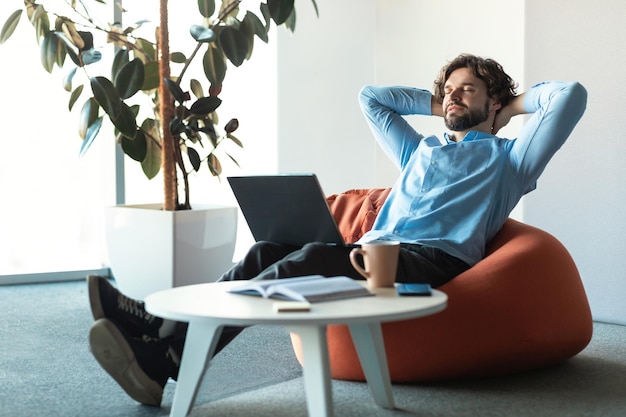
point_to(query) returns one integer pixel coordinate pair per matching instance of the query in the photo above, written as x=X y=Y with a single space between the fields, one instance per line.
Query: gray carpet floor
x=46 y=370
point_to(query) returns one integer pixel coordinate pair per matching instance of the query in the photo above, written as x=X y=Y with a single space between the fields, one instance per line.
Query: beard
x=471 y=118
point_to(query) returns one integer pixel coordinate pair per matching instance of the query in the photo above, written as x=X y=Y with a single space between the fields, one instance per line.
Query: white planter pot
x=151 y=249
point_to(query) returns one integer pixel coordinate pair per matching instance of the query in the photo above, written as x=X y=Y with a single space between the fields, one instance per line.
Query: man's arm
x=513 y=108
x=383 y=108
x=556 y=108
x=436 y=107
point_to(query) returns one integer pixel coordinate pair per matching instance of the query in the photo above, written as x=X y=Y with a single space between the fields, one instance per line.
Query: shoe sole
x=116 y=357
x=94 y=297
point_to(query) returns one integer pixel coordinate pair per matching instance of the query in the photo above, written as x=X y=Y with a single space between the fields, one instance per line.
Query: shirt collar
x=470 y=136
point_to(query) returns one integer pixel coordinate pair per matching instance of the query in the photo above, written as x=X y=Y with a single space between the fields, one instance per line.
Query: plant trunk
x=166 y=109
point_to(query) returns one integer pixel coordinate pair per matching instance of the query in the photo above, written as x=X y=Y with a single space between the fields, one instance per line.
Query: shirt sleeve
x=556 y=108
x=383 y=108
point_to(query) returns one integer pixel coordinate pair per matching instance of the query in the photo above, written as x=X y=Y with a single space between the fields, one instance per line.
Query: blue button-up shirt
x=455 y=196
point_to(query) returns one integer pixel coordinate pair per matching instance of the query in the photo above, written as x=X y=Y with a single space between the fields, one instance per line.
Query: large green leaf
x=178 y=57
x=92 y=132
x=75 y=59
x=106 y=94
x=48 y=51
x=69 y=29
x=129 y=79
x=234 y=43
x=236 y=141
x=215 y=166
x=206 y=7
x=317 y=12
x=214 y=65
x=196 y=88
x=231 y=126
x=152 y=162
x=121 y=58
x=74 y=96
x=253 y=24
x=233 y=159
x=290 y=23
x=177 y=92
x=280 y=10
x=61 y=54
x=136 y=147
x=87 y=38
x=151 y=128
x=69 y=48
x=194 y=158
x=126 y=122
x=205 y=105
x=148 y=52
x=150 y=76
x=88 y=116
x=209 y=129
x=67 y=80
x=90 y=56
x=177 y=126
x=9 y=26
x=66 y=48
x=248 y=30
x=265 y=11
x=40 y=22
x=202 y=34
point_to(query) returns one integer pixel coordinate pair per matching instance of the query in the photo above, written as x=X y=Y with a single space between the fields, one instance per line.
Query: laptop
x=289 y=209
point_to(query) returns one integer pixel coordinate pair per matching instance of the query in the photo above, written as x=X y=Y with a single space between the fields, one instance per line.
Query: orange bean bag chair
x=522 y=307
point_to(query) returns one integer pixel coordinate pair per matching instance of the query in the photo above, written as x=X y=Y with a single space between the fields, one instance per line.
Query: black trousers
x=268 y=260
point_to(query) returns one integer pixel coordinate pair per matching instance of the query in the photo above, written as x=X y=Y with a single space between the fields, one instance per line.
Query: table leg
x=200 y=344
x=315 y=369
x=368 y=340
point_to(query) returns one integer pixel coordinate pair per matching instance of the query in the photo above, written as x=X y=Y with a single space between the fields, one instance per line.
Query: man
x=452 y=197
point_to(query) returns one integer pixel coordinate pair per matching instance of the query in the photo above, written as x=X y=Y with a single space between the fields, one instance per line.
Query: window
x=51 y=218
x=52 y=211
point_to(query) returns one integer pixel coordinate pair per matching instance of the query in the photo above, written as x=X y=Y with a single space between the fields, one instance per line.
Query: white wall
x=320 y=71
x=579 y=197
x=50 y=213
x=582 y=194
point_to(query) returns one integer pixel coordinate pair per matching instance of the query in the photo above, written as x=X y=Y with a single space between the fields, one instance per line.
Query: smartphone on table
x=410 y=289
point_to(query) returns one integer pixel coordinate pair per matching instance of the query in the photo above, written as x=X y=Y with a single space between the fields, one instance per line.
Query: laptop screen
x=288 y=209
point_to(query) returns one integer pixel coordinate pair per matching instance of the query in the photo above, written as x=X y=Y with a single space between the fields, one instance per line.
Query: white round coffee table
x=209 y=307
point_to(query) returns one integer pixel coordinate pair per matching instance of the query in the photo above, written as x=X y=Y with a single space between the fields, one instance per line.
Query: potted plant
x=162 y=120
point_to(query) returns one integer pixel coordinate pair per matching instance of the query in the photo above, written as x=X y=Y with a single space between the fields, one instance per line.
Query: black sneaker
x=108 y=302
x=140 y=366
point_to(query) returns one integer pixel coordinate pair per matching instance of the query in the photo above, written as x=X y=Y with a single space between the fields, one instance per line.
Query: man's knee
x=261 y=245
x=315 y=248
x=272 y=250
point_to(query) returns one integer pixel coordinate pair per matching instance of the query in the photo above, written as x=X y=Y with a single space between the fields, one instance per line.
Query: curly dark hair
x=499 y=85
